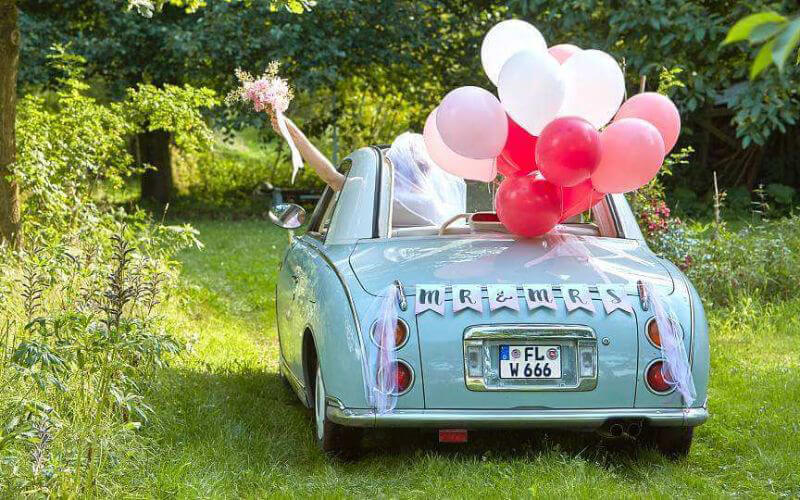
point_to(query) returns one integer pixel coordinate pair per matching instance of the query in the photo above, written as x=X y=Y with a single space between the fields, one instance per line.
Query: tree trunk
x=154 y=150
x=9 y=60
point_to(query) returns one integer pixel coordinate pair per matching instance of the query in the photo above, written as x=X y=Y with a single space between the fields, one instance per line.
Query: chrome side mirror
x=287 y=215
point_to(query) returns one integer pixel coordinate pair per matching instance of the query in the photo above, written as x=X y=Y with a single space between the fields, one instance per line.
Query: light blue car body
x=330 y=278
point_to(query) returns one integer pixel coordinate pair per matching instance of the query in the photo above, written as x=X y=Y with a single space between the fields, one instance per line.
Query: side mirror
x=287 y=215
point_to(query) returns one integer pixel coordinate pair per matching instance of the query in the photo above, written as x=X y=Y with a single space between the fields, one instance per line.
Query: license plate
x=530 y=361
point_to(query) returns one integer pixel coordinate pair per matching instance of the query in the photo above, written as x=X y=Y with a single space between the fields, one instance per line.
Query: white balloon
x=595 y=87
x=531 y=88
x=505 y=39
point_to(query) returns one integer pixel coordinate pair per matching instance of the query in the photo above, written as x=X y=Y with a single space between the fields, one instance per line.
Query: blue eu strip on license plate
x=530 y=361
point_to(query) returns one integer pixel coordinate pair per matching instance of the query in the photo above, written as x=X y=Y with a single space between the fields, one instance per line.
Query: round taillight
x=401 y=376
x=652 y=332
x=655 y=379
x=400 y=335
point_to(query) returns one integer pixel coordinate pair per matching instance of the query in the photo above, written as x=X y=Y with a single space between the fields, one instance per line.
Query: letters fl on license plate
x=530 y=361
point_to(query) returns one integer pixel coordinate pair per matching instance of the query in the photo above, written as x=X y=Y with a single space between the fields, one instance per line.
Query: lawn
x=226 y=426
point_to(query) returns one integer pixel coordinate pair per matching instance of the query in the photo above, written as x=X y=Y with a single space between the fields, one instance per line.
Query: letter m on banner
x=539 y=296
x=429 y=297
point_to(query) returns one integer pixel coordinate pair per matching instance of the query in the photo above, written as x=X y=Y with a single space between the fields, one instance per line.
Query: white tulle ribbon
x=297 y=160
x=380 y=378
x=675 y=369
x=424 y=194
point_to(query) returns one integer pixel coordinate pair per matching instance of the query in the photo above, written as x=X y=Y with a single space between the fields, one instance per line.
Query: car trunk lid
x=445 y=340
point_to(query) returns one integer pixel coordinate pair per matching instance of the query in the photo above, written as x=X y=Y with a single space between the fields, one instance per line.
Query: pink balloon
x=563 y=51
x=450 y=161
x=472 y=123
x=631 y=152
x=656 y=109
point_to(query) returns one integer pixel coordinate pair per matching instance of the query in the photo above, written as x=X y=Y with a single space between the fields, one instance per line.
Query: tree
x=729 y=120
x=9 y=60
x=9 y=66
x=125 y=52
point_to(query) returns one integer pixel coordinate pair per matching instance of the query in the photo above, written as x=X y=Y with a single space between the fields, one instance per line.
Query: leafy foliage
x=777 y=35
x=81 y=323
x=68 y=143
x=174 y=109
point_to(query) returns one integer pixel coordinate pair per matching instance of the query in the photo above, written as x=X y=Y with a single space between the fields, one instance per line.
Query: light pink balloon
x=656 y=109
x=563 y=51
x=631 y=152
x=472 y=122
x=450 y=161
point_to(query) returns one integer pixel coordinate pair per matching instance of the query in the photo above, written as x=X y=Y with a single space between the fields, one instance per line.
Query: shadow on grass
x=238 y=414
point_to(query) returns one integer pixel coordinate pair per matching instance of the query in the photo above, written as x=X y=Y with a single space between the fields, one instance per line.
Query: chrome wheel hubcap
x=319 y=404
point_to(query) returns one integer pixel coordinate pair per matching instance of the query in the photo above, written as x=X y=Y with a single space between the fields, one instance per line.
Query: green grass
x=225 y=425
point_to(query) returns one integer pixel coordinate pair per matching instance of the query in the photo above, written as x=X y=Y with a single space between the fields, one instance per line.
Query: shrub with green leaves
x=82 y=328
x=757 y=261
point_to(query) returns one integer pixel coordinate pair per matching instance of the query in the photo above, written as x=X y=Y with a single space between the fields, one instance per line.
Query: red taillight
x=653 y=334
x=403 y=377
x=655 y=379
x=399 y=373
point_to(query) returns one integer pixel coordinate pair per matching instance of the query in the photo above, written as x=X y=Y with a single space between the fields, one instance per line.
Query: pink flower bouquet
x=271 y=94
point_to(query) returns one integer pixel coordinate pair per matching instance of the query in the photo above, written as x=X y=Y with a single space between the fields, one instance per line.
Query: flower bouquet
x=271 y=94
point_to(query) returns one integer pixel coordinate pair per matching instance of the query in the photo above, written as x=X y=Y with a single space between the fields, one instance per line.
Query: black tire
x=672 y=442
x=333 y=439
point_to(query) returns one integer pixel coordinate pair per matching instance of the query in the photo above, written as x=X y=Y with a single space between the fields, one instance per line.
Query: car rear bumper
x=539 y=418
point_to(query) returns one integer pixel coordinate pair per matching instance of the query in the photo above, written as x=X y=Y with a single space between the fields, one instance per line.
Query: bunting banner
x=614 y=298
x=467 y=297
x=577 y=296
x=430 y=297
x=539 y=296
x=502 y=296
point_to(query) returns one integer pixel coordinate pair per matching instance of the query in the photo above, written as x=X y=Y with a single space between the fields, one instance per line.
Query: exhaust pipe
x=634 y=429
x=615 y=430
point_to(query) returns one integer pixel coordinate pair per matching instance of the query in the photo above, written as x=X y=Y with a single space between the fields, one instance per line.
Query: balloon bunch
x=548 y=131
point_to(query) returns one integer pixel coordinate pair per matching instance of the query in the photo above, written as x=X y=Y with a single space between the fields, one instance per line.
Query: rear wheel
x=333 y=439
x=672 y=442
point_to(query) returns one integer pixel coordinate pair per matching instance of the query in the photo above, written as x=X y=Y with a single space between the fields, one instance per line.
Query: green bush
x=81 y=323
x=738 y=200
x=782 y=195
x=759 y=261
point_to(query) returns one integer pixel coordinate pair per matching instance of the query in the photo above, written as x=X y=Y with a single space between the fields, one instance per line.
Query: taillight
x=403 y=377
x=400 y=335
x=652 y=332
x=655 y=379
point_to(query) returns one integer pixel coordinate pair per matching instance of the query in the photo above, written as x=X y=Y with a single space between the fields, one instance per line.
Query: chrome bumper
x=583 y=419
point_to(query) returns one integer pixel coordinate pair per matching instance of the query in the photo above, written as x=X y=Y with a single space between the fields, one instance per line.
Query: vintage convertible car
x=455 y=370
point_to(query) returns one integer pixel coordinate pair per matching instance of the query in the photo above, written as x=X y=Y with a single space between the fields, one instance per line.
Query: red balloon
x=568 y=151
x=508 y=168
x=528 y=206
x=520 y=149
x=579 y=198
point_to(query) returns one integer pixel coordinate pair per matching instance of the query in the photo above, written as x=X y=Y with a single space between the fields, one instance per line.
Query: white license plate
x=530 y=361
